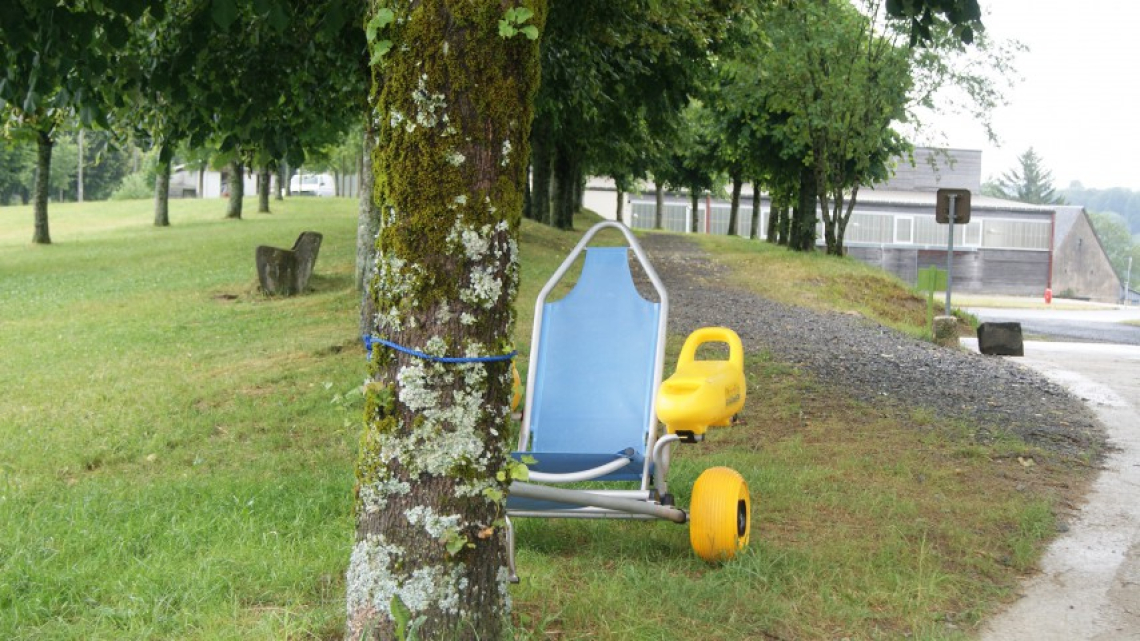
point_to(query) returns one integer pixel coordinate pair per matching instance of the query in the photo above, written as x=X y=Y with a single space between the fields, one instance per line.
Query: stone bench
x=286 y=272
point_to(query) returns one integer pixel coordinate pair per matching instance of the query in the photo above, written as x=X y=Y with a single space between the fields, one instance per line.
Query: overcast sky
x=1079 y=103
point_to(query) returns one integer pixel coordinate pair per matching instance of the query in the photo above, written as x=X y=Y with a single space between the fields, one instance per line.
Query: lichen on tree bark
x=452 y=106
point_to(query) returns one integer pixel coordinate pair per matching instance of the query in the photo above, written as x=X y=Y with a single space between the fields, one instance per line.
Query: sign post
x=952 y=206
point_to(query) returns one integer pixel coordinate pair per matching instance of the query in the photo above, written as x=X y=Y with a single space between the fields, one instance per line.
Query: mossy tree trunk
x=42 y=235
x=162 y=193
x=237 y=189
x=453 y=111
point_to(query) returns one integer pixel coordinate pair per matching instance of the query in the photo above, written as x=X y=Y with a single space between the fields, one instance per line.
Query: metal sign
x=961 y=198
x=931 y=279
x=952 y=206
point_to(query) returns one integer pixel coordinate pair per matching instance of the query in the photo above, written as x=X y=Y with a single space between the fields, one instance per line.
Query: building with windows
x=1006 y=248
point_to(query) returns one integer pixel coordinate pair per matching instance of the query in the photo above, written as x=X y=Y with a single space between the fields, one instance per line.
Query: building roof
x=928 y=198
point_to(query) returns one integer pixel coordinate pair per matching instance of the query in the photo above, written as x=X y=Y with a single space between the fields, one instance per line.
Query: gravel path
x=873 y=363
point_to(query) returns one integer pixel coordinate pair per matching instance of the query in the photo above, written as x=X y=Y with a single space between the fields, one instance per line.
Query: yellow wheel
x=720 y=515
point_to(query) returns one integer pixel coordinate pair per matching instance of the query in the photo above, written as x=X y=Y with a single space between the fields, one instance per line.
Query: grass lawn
x=176 y=458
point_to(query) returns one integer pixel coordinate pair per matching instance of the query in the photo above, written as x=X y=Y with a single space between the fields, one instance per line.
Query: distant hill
x=1117 y=199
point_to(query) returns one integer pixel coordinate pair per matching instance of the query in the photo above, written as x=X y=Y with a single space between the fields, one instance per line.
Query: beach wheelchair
x=595 y=397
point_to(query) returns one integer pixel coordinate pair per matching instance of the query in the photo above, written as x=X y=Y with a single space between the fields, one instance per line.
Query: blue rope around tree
x=369 y=341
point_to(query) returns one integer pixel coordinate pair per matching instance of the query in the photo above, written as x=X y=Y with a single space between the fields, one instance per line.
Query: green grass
x=175 y=462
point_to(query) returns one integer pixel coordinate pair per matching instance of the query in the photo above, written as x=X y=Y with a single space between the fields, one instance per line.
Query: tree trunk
x=540 y=164
x=367 y=228
x=263 y=190
x=202 y=181
x=528 y=199
x=620 y=205
x=802 y=236
x=774 y=214
x=579 y=187
x=162 y=194
x=237 y=189
x=754 y=228
x=79 y=170
x=785 y=224
x=288 y=178
x=830 y=226
x=659 y=204
x=429 y=506
x=44 y=143
x=841 y=225
x=279 y=188
x=565 y=189
x=694 y=209
x=734 y=209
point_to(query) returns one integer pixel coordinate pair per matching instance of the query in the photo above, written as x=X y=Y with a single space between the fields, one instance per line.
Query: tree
x=1029 y=183
x=841 y=84
x=17 y=168
x=260 y=81
x=55 y=56
x=615 y=77
x=453 y=92
x=689 y=161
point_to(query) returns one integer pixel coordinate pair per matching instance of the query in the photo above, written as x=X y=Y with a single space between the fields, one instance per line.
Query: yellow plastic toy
x=516 y=387
x=703 y=393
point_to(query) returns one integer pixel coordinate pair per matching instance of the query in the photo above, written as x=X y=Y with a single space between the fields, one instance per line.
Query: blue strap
x=369 y=341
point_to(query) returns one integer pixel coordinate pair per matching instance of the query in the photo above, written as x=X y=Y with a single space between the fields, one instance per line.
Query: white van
x=312 y=185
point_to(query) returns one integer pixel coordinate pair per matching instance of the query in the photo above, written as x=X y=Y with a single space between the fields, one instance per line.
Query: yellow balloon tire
x=720 y=514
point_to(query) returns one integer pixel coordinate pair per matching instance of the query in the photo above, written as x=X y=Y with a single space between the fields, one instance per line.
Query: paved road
x=1089 y=586
x=1096 y=325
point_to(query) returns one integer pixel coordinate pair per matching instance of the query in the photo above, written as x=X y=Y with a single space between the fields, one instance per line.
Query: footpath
x=1089 y=581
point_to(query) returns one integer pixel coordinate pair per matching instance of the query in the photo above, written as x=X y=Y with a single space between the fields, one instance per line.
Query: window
x=904 y=230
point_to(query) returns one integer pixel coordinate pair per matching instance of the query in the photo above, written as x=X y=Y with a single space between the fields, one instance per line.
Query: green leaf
x=278 y=18
x=379 y=49
x=401 y=615
x=455 y=544
x=506 y=30
x=519 y=15
x=382 y=18
x=31 y=102
x=224 y=12
x=530 y=31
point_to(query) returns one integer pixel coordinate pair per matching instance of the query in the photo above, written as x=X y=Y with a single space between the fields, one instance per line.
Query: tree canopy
x=1029 y=182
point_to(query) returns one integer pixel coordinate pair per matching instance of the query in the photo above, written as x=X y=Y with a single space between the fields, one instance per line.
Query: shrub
x=134 y=187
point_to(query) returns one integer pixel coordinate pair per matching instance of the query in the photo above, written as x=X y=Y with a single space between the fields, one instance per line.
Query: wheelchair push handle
x=712 y=335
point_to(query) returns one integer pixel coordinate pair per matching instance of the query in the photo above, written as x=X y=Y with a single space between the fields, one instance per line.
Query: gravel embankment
x=873 y=363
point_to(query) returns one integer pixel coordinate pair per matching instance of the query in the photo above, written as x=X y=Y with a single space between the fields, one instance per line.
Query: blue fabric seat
x=595 y=377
